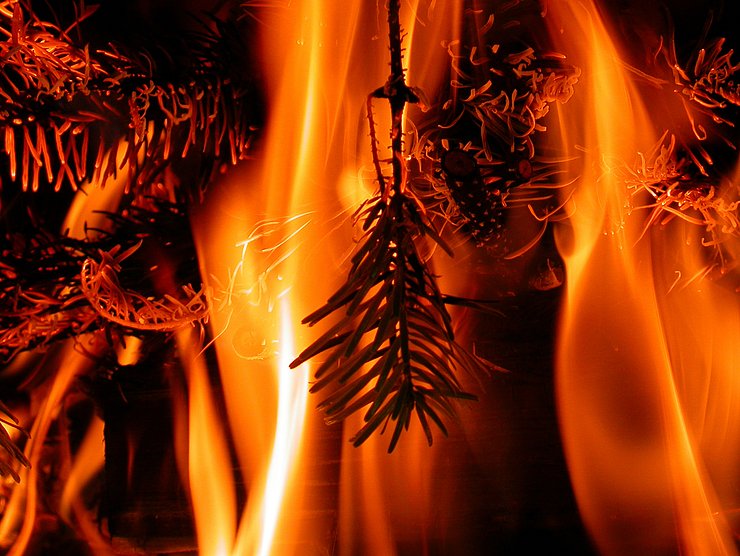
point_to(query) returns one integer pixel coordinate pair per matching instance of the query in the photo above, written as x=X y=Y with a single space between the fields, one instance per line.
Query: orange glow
x=320 y=73
x=72 y=358
x=87 y=464
x=89 y=461
x=646 y=364
x=94 y=197
x=386 y=501
x=259 y=534
x=645 y=383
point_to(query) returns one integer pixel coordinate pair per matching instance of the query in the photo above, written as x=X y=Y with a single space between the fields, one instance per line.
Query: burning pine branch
x=395 y=333
x=71 y=113
x=707 y=85
x=679 y=189
x=161 y=120
x=679 y=173
x=57 y=287
x=393 y=348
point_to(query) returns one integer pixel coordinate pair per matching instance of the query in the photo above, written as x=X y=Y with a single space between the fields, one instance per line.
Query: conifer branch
x=71 y=113
x=392 y=352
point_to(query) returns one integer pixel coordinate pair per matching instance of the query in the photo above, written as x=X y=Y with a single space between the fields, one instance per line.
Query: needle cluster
x=54 y=287
x=392 y=352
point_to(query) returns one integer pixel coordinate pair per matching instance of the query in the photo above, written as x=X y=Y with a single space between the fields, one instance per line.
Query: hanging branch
x=392 y=351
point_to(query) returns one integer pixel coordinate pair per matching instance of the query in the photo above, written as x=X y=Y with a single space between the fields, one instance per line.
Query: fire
x=647 y=352
x=310 y=148
x=288 y=425
x=209 y=472
x=387 y=502
x=274 y=278
x=20 y=515
x=87 y=464
x=638 y=372
x=75 y=358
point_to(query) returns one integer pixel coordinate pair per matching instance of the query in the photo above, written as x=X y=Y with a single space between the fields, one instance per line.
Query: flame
x=209 y=471
x=94 y=198
x=88 y=463
x=265 y=280
x=646 y=383
x=289 y=423
x=638 y=373
x=20 y=515
x=386 y=502
x=319 y=74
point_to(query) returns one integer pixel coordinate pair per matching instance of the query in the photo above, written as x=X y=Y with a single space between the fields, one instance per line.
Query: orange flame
x=320 y=73
x=646 y=383
x=386 y=502
x=288 y=426
x=274 y=278
x=209 y=471
x=19 y=518
x=88 y=463
x=630 y=365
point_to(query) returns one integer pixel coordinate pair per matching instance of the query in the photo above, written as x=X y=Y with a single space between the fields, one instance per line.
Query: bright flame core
x=319 y=73
x=277 y=276
x=291 y=409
